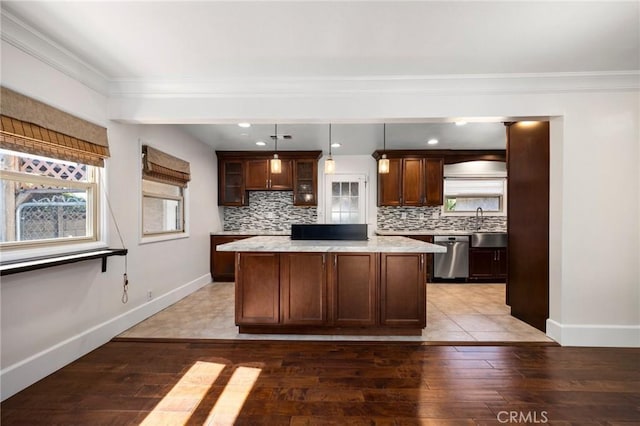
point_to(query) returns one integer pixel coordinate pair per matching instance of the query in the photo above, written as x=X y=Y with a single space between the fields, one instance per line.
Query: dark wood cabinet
x=434 y=180
x=390 y=184
x=488 y=263
x=305 y=182
x=231 y=189
x=259 y=176
x=412 y=181
x=242 y=171
x=403 y=289
x=257 y=288
x=336 y=292
x=303 y=281
x=223 y=263
x=413 y=186
x=353 y=289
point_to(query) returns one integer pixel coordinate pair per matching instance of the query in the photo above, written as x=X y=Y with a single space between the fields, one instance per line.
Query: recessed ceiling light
x=336 y=145
x=460 y=123
x=260 y=143
x=244 y=134
x=432 y=141
x=244 y=125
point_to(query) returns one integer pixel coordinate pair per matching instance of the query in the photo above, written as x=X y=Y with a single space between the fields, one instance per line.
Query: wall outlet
x=435 y=215
x=271 y=215
x=149 y=294
x=403 y=216
x=421 y=216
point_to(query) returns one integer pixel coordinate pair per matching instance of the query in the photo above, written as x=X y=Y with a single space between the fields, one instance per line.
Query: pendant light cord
x=329 y=140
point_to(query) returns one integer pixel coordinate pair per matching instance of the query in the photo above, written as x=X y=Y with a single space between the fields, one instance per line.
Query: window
x=164 y=182
x=46 y=200
x=162 y=208
x=347 y=199
x=464 y=196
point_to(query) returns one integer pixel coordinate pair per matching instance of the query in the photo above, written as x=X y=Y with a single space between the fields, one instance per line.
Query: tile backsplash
x=391 y=218
x=268 y=211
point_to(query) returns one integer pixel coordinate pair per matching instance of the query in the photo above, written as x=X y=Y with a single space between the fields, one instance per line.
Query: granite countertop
x=375 y=244
x=252 y=232
x=424 y=232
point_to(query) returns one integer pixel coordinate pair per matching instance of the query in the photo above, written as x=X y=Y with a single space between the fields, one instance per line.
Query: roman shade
x=33 y=127
x=162 y=167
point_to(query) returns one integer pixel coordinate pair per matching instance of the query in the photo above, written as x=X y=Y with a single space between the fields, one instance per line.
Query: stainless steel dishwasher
x=455 y=262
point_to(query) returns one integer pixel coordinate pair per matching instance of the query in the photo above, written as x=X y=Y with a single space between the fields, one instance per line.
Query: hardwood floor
x=395 y=383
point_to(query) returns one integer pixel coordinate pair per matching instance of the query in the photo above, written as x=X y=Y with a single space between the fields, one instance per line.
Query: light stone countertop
x=252 y=232
x=424 y=232
x=375 y=244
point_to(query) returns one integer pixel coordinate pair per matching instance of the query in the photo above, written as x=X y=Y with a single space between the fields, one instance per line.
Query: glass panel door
x=346 y=199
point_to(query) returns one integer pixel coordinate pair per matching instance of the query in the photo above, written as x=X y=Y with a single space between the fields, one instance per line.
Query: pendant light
x=276 y=164
x=383 y=162
x=329 y=164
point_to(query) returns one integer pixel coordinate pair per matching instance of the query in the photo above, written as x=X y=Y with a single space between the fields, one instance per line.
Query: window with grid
x=347 y=199
x=46 y=200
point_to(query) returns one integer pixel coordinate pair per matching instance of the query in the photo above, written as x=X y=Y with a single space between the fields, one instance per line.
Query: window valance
x=162 y=167
x=30 y=126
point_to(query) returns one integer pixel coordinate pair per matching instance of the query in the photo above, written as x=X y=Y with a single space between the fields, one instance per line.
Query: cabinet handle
x=324 y=256
x=238 y=260
x=421 y=262
x=266 y=183
x=335 y=261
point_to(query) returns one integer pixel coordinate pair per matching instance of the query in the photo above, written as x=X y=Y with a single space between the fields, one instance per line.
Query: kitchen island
x=372 y=287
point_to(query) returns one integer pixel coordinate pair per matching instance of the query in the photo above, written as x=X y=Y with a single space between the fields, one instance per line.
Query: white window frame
x=18 y=250
x=164 y=236
x=503 y=198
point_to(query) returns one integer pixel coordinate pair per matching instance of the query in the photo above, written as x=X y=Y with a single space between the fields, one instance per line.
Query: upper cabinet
x=305 y=183
x=231 y=190
x=242 y=171
x=416 y=177
x=259 y=176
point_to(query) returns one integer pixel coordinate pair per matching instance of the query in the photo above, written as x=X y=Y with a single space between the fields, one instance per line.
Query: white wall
x=52 y=316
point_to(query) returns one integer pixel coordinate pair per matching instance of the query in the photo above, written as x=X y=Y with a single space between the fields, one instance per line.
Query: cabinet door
x=257 y=174
x=390 y=184
x=481 y=263
x=231 y=190
x=303 y=281
x=223 y=263
x=403 y=289
x=500 y=267
x=412 y=182
x=434 y=175
x=305 y=185
x=353 y=289
x=257 y=288
x=283 y=180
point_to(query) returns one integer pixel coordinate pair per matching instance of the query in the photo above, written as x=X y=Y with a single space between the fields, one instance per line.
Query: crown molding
x=31 y=41
x=329 y=86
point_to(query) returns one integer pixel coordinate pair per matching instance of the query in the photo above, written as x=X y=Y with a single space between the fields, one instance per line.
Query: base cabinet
x=488 y=264
x=303 y=280
x=337 y=293
x=353 y=289
x=257 y=288
x=402 y=289
x=222 y=264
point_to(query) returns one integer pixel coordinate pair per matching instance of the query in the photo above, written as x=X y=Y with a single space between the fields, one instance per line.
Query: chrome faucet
x=479 y=218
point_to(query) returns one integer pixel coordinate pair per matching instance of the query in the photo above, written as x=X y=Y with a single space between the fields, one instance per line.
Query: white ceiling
x=167 y=42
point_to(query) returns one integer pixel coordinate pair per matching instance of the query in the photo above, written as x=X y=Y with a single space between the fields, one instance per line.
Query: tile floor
x=455 y=313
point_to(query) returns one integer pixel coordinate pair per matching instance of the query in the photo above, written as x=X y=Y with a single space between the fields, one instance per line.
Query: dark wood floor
x=334 y=383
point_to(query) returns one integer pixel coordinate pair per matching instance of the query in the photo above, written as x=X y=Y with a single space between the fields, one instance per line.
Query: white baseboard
x=18 y=376
x=627 y=336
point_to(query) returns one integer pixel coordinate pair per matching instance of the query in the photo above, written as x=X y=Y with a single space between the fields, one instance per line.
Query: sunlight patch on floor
x=233 y=397
x=177 y=406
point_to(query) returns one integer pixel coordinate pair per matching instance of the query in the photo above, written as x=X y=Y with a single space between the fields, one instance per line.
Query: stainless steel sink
x=489 y=239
